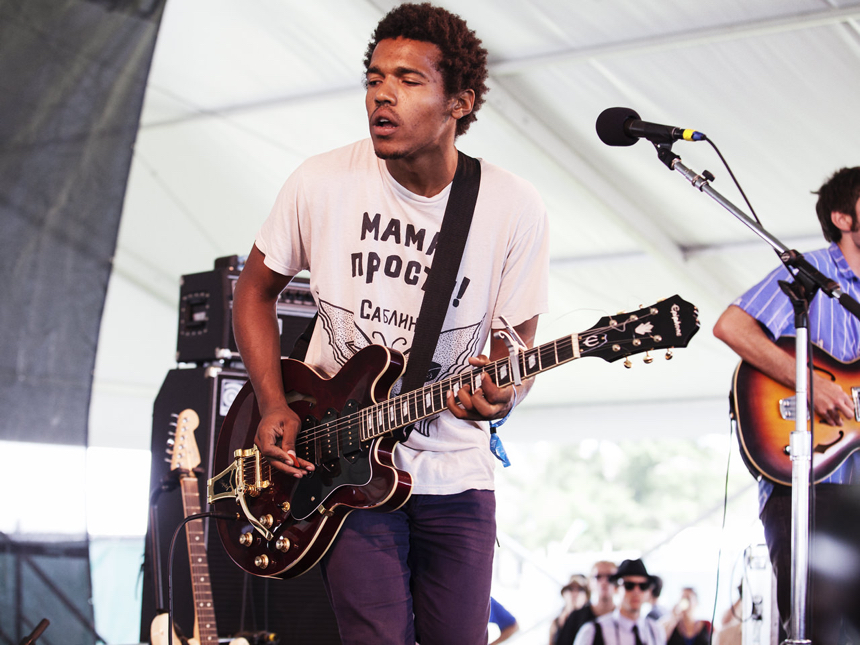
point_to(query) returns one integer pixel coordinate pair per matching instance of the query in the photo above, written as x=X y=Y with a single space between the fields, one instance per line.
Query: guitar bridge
x=231 y=483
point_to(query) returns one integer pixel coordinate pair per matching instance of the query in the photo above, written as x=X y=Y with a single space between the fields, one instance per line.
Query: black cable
x=196 y=516
x=810 y=493
x=732 y=175
x=722 y=530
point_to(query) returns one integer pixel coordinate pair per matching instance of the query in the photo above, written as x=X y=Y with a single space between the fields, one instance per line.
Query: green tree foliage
x=619 y=495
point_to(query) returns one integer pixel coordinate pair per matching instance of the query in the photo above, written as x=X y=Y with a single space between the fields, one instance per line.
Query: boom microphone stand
x=807 y=281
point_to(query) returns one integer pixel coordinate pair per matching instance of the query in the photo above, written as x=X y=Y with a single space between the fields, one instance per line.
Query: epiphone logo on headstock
x=676 y=319
x=593 y=340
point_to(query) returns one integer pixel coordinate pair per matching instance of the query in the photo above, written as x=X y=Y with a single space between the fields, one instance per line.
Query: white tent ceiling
x=241 y=92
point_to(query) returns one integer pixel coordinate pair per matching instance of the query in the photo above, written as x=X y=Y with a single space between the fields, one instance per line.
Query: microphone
x=620 y=126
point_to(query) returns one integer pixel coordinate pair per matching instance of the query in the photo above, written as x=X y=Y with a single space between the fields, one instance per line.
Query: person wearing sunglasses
x=625 y=625
x=602 y=585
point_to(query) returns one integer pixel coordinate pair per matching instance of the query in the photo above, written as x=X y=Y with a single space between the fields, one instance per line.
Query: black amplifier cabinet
x=206 y=306
x=296 y=610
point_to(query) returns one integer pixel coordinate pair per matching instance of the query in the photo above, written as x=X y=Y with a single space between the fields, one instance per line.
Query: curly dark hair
x=839 y=193
x=463 y=63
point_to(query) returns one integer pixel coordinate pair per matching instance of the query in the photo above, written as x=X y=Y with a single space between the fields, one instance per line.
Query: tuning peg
x=648 y=358
x=627 y=363
x=669 y=354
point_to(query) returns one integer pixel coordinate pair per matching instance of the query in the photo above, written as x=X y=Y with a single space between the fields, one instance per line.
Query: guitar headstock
x=666 y=324
x=182 y=447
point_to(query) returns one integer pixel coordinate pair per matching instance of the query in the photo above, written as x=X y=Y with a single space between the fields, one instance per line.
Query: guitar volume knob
x=267 y=520
x=261 y=561
x=246 y=539
x=283 y=544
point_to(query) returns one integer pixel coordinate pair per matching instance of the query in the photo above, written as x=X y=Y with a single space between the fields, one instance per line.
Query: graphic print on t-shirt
x=345 y=336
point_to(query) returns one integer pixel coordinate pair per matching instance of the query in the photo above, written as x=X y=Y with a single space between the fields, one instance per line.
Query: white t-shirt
x=369 y=243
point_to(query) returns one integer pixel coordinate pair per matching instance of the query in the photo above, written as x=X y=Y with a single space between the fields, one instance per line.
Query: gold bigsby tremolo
x=230 y=483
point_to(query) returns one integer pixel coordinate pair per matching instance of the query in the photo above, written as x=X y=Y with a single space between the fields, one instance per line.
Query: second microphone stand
x=801 y=292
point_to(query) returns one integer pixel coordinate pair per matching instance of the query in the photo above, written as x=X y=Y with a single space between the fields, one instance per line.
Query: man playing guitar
x=364 y=220
x=752 y=324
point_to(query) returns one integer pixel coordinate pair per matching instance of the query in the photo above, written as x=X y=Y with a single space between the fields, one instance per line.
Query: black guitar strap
x=443 y=274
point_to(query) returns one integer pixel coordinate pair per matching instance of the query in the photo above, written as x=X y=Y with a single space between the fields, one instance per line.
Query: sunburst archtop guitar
x=347 y=424
x=765 y=414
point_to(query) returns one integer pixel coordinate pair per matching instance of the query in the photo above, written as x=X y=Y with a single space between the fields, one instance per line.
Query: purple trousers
x=419 y=574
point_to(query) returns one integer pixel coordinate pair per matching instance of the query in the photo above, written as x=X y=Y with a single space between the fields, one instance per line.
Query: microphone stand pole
x=800 y=445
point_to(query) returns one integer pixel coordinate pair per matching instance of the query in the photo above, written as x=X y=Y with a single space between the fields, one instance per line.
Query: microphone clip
x=665 y=154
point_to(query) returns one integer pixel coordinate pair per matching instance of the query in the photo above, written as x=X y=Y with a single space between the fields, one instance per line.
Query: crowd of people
x=607 y=608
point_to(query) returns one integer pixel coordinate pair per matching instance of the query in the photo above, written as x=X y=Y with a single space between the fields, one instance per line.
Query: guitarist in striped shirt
x=750 y=326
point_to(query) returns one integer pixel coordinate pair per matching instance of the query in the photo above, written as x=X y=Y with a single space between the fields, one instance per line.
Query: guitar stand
x=807 y=281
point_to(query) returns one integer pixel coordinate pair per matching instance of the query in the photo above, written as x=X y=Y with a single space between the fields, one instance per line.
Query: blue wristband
x=498 y=449
x=498 y=423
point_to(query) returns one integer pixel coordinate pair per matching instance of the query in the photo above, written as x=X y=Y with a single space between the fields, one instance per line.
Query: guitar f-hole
x=824 y=447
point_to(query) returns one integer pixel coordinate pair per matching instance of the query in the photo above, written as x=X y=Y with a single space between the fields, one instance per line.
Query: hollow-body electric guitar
x=286 y=524
x=765 y=414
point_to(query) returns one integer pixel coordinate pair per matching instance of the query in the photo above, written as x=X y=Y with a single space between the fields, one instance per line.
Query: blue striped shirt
x=831 y=327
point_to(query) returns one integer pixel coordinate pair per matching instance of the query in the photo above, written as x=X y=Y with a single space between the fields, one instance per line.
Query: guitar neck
x=403 y=410
x=667 y=324
x=204 y=609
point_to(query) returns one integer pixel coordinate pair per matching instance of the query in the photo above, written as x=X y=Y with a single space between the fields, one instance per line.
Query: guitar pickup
x=231 y=483
x=788 y=409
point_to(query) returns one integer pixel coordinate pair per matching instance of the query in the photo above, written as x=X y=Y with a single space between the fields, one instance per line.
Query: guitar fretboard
x=350 y=431
x=204 y=609
x=389 y=415
x=666 y=324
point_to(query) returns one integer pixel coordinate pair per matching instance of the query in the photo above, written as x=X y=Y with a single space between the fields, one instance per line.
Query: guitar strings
x=415 y=396
x=326 y=430
x=334 y=427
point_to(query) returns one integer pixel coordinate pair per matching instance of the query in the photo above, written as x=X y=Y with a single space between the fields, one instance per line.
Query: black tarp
x=72 y=79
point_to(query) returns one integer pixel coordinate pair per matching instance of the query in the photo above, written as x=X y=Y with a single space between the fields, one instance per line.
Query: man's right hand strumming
x=276 y=439
x=255 y=327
